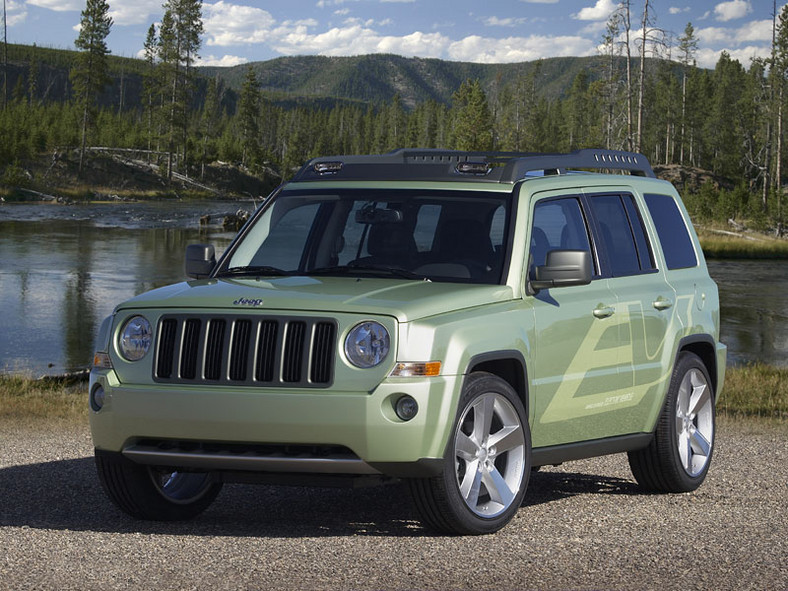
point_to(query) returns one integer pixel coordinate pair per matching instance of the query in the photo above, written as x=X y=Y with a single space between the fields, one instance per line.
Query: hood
x=402 y=299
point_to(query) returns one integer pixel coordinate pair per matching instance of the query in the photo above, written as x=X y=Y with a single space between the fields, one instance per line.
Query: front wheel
x=487 y=463
x=149 y=492
x=679 y=456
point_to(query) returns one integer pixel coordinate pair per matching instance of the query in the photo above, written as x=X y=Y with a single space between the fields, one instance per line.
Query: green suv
x=450 y=319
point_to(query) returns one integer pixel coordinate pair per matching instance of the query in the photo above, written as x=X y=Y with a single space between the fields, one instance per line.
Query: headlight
x=135 y=338
x=367 y=345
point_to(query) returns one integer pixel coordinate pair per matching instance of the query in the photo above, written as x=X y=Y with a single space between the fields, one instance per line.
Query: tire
x=679 y=456
x=150 y=492
x=487 y=463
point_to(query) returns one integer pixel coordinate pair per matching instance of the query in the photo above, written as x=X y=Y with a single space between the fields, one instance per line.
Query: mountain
x=376 y=78
x=316 y=81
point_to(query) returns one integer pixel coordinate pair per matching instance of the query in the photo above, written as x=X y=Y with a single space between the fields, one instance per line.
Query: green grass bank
x=753 y=391
x=722 y=246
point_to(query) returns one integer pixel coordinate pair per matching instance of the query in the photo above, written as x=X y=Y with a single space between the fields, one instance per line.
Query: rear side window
x=672 y=231
x=622 y=233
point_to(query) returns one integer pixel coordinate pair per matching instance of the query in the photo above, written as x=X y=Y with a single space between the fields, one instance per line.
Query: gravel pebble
x=583 y=525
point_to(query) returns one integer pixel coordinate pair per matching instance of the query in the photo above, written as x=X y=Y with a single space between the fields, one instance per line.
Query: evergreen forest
x=268 y=118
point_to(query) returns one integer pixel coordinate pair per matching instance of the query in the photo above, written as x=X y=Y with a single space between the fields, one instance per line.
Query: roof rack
x=442 y=165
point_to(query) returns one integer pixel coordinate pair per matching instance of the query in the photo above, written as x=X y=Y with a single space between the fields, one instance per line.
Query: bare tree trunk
x=627 y=25
x=639 y=142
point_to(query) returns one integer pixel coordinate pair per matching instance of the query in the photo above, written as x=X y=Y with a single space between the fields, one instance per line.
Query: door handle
x=602 y=311
x=662 y=303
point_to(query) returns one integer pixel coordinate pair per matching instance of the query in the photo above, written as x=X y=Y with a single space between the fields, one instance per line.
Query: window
x=672 y=231
x=622 y=234
x=558 y=225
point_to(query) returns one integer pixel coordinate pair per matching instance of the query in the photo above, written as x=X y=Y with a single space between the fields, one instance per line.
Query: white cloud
x=231 y=24
x=16 y=13
x=676 y=10
x=751 y=32
x=728 y=11
x=494 y=21
x=134 y=13
x=58 y=5
x=226 y=61
x=518 y=49
x=601 y=11
x=708 y=58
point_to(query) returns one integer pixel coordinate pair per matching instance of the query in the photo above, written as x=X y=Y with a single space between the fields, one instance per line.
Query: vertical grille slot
x=266 y=351
x=323 y=353
x=293 y=352
x=239 y=350
x=212 y=369
x=190 y=348
x=245 y=350
x=164 y=360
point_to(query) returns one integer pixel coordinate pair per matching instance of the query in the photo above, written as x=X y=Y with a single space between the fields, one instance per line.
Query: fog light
x=97 y=397
x=406 y=407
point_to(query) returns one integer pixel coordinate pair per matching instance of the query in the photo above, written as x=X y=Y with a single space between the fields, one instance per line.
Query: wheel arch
x=704 y=347
x=509 y=366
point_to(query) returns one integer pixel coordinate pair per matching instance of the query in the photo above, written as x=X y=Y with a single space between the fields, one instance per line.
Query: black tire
x=679 y=456
x=149 y=492
x=481 y=486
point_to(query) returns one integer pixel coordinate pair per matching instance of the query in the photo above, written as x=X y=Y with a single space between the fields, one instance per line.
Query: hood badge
x=254 y=303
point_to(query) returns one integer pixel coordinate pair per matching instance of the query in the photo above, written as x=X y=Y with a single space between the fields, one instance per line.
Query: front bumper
x=221 y=420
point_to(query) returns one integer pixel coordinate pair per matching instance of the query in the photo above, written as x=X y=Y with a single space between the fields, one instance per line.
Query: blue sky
x=495 y=31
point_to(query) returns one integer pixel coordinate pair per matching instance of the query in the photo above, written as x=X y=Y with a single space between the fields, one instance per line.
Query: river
x=64 y=268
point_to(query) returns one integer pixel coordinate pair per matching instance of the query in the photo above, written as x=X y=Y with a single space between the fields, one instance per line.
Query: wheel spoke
x=471 y=484
x=465 y=447
x=497 y=487
x=699 y=443
x=701 y=396
x=483 y=411
x=507 y=439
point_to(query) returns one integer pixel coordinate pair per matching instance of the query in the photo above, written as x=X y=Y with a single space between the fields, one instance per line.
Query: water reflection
x=60 y=277
x=754 y=309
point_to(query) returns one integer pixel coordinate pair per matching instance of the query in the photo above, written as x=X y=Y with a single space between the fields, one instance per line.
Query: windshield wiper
x=253 y=270
x=367 y=269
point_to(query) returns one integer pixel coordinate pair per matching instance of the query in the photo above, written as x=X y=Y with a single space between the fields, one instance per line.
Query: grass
x=26 y=400
x=723 y=246
x=755 y=391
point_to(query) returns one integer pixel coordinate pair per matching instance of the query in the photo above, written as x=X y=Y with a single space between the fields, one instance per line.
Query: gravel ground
x=584 y=525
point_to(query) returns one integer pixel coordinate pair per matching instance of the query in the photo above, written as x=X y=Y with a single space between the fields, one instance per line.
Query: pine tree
x=89 y=75
x=248 y=114
x=472 y=118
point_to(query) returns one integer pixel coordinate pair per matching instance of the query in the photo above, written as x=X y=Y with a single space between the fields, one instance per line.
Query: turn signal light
x=426 y=369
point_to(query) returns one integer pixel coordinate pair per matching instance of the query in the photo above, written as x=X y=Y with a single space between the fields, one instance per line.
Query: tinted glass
x=672 y=231
x=558 y=224
x=623 y=234
x=438 y=235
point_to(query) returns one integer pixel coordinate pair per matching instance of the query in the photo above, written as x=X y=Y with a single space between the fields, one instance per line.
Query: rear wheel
x=488 y=462
x=150 y=492
x=679 y=456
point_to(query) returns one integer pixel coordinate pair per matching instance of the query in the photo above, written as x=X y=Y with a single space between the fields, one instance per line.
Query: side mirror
x=562 y=269
x=200 y=260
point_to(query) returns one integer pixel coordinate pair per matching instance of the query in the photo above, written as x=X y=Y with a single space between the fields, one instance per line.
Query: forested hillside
x=269 y=117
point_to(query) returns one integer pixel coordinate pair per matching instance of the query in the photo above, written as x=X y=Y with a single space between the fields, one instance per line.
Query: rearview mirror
x=562 y=269
x=200 y=260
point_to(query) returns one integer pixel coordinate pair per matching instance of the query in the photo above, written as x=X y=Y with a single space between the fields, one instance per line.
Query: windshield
x=435 y=235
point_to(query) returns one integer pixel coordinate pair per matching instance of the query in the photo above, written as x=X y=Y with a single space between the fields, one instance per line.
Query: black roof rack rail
x=442 y=165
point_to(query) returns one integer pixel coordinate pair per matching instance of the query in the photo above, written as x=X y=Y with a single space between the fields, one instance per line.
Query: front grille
x=245 y=351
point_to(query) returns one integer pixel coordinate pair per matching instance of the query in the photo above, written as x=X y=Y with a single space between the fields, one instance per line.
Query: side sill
x=423 y=468
x=557 y=454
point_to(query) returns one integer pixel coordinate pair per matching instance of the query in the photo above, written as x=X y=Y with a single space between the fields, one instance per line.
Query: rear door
x=645 y=307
